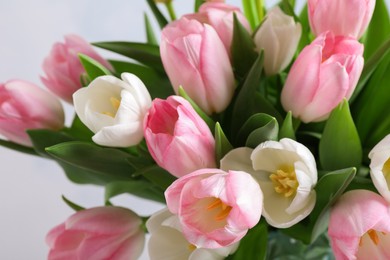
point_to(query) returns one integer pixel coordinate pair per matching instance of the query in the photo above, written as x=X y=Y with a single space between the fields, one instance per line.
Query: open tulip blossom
x=256 y=129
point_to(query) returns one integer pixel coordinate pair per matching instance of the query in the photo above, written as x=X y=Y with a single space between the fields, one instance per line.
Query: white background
x=31 y=187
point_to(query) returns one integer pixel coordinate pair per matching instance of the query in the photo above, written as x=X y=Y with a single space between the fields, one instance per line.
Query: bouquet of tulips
x=265 y=133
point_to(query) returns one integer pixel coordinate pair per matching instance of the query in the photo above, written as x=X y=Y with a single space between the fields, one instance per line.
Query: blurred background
x=31 y=187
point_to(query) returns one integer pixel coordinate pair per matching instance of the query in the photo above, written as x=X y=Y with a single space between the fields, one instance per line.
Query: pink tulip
x=325 y=72
x=98 y=233
x=215 y=208
x=24 y=106
x=220 y=16
x=359 y=226
x=195 y=58
x=342 y=17
x=63 y=68
x=177 y=138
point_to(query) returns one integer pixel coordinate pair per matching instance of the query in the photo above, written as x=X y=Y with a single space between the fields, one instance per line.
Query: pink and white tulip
x=221 y=17
x=172 y=128
x=63 y=68
x=341 y=17
x=114 y=109
x=325 y=72
x=380 y=167
x=168 y=242
x=195 y=58
x=23 y=106
x=278 y=36
x=215 y=208
x=98 y=233
x=359 y=226
x=286 y=172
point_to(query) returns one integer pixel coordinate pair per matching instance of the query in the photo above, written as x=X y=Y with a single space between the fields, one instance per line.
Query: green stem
x=260 y=9
x=170 y=9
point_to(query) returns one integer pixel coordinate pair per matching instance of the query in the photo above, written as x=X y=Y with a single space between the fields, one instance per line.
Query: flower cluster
x=243 y=124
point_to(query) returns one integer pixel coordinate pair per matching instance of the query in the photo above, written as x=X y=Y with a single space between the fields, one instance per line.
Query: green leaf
x=147 y=54
x=157 y=84
x=156 y=175
x=287 y=129
x=210 y=123
x=340 y=145
x=328 y=189
x=71 y=204
x=93 y=68
x=370 y=110
x=222 y=144
x=304 y=21
x=43 y=138
x=253 y=245
x=139 y=188
x=18 y=147
x=108 y=163
x=242 y=49
x=198 y=3
x=378 y=30
x=162 y=21
x=250 y=11
x=150 y=35
x=79 y=131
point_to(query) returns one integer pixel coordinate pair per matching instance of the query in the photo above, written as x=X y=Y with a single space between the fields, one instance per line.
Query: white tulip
x=114 y=109
x=278 y=36
x=168 y=242
x=380 y=167
x=287 y=173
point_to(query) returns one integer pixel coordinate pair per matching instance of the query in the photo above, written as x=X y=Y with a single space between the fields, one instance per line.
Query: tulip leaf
x=198 y=3
x=158 y=85
x=138 y=188
x=93 y=68
x=43 y=138
x=378 y=30
x=371 y=108
x=242 y=50
x=222 y=144
x=79 y=131
x=254 y=244
x=287 y=129
x=340 y=145
x=18 y=147
x=71 y=204
x=156 y=175
x=150 y=35
x=304 y=21
x=210 y=122
x=251 y=12
x=162 y=21
x=328 y=189
x=147 y=54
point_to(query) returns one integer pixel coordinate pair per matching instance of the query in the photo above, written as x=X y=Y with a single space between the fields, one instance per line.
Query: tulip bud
x=195 y=58
x=278 y=37
x=98 y=233
x=63 y=68
x=172 y=128
x=325 y=72
x=341 y=17
x=24 y=106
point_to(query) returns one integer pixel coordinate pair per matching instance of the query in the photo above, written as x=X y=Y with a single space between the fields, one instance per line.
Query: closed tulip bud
x=24 y=106
x=278 y=37
x=342 y=17
x=325 y=72
x=195 y=58
x=172 y=128
x=63 y=68
x=98 y=233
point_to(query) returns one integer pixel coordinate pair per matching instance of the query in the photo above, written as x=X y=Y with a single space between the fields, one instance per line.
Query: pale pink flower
x=215 y=208
x=359 y=226
x=23 y=106
x=177 y=138
x=342 y=17
x=195 y=58
x=63 y=68
x=98 y=233
x=325 y=72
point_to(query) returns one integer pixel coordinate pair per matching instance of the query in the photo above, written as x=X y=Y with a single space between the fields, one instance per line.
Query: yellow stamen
x=115 y=103
x=223 y=214
x=223 y=210
x=374 y=236
x=386 y=168
x=285 y=181
x=191 y=247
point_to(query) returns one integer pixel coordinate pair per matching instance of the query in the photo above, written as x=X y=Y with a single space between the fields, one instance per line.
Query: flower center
x=285 y=181
x=115 y=103
x=191 y=247
x=373 y=235
x=221 y=209
x=386 y=168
